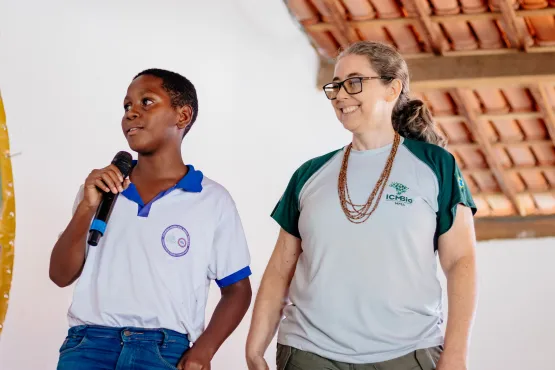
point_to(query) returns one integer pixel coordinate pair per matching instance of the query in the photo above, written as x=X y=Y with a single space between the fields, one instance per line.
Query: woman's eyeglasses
x=352 y=85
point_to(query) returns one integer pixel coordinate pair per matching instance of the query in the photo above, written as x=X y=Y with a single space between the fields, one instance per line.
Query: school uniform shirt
x=369 y=292
x=154 y=264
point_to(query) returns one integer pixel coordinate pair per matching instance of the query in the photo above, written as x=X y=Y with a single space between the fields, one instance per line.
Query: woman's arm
x=457 y=258
x=271 y=298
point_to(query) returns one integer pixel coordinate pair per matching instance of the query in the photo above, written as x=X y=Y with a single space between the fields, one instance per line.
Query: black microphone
x=124 y=162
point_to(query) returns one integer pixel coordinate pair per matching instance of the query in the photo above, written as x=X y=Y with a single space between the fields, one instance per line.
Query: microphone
x=124 y=162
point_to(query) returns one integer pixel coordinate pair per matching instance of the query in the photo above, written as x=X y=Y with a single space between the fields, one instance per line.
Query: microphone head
x=124 y=162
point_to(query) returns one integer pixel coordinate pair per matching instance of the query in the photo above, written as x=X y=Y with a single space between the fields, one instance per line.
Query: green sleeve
x=453 y=191
x=286 y=213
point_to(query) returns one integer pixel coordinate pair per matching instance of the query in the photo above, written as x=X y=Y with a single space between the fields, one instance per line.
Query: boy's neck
x=160 y=166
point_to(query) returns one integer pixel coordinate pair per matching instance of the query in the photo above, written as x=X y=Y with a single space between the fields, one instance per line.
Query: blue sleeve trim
x=99 y=225
x=235 y=277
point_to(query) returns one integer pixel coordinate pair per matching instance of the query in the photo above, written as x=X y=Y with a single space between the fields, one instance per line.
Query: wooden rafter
x=519 y=169
x=426 y=22
x=512 y=115
x=323 y=26
x=505 y=144
x=535 y=12
x=480 y=135
x=345 y=33
x=541 y=49
x=510 y=19
x=539 y=92
x=530 y=169
x=531 y=193
x=475 y=171
x=500 y=116
x=467 y=17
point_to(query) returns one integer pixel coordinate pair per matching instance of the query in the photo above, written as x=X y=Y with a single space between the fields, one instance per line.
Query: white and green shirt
x=369 y=292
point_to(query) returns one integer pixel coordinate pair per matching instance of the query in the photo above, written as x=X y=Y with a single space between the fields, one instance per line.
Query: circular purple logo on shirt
x=176 y=240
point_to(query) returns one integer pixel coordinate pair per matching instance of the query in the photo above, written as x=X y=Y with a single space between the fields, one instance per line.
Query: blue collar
x=191 y=182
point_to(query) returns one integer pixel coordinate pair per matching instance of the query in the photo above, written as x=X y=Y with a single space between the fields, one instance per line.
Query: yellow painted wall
x=7 y=217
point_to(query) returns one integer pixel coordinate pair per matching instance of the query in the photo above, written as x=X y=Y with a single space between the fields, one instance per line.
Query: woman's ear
x=394 y=90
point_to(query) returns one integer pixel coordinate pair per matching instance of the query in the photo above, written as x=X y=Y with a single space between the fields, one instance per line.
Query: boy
x=141 y=294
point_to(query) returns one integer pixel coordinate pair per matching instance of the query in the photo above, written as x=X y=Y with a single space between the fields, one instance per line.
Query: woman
x=360 y=228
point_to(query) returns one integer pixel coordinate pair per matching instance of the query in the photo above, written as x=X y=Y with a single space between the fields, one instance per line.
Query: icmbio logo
x=398 y=198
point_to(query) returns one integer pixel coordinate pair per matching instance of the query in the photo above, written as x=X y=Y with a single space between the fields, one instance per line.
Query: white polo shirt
x=153 y=266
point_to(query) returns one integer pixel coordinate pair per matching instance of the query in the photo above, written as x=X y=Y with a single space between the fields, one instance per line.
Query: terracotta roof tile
x=410 y=37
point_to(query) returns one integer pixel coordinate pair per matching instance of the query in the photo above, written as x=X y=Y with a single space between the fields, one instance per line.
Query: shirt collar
x=191 y=182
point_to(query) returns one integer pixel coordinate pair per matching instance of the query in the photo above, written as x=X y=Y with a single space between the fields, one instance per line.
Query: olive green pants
x=289 y=358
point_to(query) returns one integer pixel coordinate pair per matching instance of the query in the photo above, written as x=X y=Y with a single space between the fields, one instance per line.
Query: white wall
x=64 y=69
x=515 y=324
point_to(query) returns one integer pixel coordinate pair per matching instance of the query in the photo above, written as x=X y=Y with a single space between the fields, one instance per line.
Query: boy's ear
x=185 y=116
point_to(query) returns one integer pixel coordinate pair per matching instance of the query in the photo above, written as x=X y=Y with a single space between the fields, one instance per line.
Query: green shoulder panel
x=287 y=211
x=453 y=189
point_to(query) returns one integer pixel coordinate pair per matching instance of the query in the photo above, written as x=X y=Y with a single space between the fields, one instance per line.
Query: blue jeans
x=96 y=347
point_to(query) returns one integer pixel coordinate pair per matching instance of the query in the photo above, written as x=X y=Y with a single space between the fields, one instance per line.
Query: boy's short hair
x=182 y=91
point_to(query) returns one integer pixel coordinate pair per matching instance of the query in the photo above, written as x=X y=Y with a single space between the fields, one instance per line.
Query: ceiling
x=487 y=72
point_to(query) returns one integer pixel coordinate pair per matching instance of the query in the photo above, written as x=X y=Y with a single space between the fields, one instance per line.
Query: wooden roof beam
x=510 y=21
x=345 y=34
x=477 y=131
x=539 y=92
x=488 y=116
x=517 y=169
x=504 y=144
x=528 y=193
x=428 y=25
x=465 y=17
x=481 y=70
x=471 y=71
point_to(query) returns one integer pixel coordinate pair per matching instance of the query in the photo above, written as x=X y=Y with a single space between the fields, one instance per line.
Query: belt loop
x=166 y=336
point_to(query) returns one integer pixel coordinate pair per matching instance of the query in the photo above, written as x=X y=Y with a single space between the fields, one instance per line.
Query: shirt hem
x=358 y=359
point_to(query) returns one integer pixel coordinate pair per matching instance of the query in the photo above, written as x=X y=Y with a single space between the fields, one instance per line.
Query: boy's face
x=150 y=122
